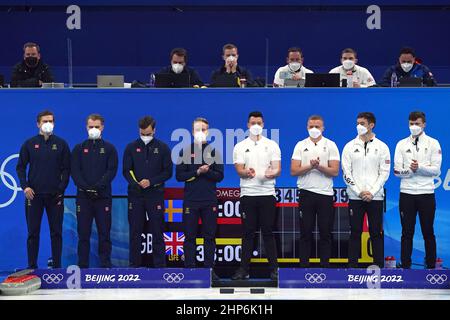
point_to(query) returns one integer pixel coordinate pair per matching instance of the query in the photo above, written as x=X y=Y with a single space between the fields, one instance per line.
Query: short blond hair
x=94 y=117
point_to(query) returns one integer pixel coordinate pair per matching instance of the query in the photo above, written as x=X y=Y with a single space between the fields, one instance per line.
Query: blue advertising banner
x=75 y=278
x=285 y=113
x=364 y=278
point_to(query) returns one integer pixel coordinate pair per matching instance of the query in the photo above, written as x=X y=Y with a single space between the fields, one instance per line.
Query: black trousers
x=374 y=210
x=191 y=214
x=410 y=205
x=312 y=204
x=100 y=211
x=138 y=210
x=34 y=210
x=258 y=212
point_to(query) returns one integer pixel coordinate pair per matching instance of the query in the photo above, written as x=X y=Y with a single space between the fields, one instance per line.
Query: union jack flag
x=174 y=243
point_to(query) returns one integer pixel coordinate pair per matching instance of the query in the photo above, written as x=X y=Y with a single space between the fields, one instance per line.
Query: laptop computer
x=410 y=82
x=225 y=81
x=172 y=80
x=290 y=83
x=323 y=80
x=53 y=85
x=107 y=81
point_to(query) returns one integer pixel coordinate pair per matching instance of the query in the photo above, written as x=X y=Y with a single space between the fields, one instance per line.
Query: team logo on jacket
x=247 y=150
x=36 y=146
x=159 y=207
x=54 y=147
x=324 y=149
x=130 y=206
x=156 y=151
x=187 y=211
x=408 y=151
x=138 y=149
x=356 y=150
x=102 y=150
x=106 y=209
x=214 y=209
x=86 y=150
x=306 y=150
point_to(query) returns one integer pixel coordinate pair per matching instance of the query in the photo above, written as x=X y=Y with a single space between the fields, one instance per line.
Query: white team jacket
x=428 y=154
x=362 y=75
x=366 y=169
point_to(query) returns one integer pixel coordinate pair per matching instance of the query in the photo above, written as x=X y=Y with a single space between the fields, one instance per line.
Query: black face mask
x=31 y=61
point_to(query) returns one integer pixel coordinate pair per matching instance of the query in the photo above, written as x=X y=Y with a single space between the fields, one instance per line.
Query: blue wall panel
x=284 y=109
x=136 y=41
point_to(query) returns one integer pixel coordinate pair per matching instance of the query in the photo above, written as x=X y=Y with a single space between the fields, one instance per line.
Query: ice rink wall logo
x=9 y=184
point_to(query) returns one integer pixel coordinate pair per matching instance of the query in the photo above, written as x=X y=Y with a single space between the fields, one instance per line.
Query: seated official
x=360 y=76
x=294 y=70
x=31 y=72
x=231 y=74
x=408 y=67
x=178 y=66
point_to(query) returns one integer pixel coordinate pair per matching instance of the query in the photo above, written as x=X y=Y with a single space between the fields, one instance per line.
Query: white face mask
x=231 y=59
x=256 y=130
x=177 y=67
x=199 y=137
x=415 y=130
x=94 y=133
x=361 y=130
x=146 y=139
x=406 y=66
x=295 y=66
x=314 y=133
x=348 y=64
x=47 y=127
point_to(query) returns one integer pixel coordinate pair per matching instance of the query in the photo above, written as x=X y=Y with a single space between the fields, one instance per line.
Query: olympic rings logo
x=52 y=278
x=436 y=278
x=315 y=277
x=11 y=184
x=173 y=277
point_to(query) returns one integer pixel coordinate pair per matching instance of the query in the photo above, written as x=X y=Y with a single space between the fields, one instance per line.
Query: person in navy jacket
x=408 y=67
x=48 y=159
x=93 y=167
x=147 y=165
x=200 y=167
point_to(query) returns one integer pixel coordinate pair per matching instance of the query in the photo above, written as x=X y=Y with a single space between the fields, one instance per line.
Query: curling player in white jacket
x=366 y=165
x=417 y=162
